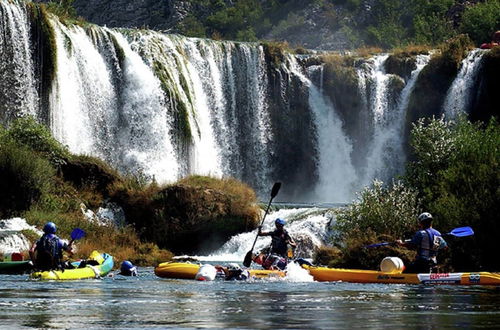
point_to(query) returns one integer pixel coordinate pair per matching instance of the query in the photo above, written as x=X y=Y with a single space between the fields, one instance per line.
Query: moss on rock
x=195 y=215
x=90 y=172
x=400 y=65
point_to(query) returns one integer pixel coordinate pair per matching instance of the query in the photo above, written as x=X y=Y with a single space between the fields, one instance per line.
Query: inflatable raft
x=104 y=266
x=183 y=270
x=15 y=267
x=324 y=274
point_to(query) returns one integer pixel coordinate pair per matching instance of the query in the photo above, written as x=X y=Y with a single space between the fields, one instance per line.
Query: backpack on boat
x=48 y=253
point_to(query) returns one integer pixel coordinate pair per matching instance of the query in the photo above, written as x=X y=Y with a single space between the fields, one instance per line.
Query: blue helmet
x=49 y=228
x=280 y=222
x=126 y=266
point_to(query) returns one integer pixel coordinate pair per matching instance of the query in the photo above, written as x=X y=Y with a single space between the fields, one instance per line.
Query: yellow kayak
x=183 y=270
x=105 y=265
x=371 y=276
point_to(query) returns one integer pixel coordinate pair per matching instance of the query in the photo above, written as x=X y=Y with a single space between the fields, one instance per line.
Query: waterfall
x=458 y=97
x=18 y=94
x=385 y=156
x=167 y=106
x=337 y=176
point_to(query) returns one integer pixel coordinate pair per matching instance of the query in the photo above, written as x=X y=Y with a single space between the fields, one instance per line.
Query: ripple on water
x=148 y=301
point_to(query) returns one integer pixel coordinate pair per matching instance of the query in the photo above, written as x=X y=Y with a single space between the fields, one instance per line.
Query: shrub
x=26 y=131
x=26 y=178
x=379 y=210
x=456 y=174
x=275 y=53
x=481 y=20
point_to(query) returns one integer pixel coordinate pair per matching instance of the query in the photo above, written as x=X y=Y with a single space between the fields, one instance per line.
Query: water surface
x=148 y=301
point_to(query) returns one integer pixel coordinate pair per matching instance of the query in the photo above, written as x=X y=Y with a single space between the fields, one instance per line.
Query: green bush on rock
x=455 y=176
x=456 y=172
x=197 y=213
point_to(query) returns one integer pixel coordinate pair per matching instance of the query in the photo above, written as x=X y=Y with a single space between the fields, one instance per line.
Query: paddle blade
x=276 y=188
x=77 y=233
x=248 y=259
x=462 y=232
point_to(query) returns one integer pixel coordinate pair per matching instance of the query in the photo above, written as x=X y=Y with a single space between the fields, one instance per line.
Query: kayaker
x=428 y=242
x=234 y=272
x=127 y=269
x=280 y=239
x=46 y=253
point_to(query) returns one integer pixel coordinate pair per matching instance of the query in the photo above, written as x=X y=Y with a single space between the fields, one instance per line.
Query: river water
x=148 y=301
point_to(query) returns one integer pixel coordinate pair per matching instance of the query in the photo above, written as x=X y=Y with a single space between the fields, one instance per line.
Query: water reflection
x=152 y=302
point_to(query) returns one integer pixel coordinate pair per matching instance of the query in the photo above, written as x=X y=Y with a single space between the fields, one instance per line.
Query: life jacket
x=430 y=244
x=49 y=254
x=278 y=242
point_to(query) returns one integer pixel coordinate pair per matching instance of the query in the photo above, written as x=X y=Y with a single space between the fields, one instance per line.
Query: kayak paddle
x=457 y=232
x=77 y=233
x=248 y=257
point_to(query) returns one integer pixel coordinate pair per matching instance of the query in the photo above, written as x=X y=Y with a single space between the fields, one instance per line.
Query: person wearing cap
x=279 y=238
x=233 y=272
x=127 y=269
x=46 y=253
x=427 y=241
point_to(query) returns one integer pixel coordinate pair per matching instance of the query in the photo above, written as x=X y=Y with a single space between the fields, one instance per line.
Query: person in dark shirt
x=280 y=239
x=46 y=253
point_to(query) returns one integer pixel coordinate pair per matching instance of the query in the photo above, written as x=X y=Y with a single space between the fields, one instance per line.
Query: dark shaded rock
x=401 y=65
x=86 y=171
x=486 y=104
x=185 y=219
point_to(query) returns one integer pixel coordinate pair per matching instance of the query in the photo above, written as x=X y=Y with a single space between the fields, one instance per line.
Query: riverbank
x=128 y=217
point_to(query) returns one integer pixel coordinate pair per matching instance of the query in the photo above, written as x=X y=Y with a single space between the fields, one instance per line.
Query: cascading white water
x=337 y=175
x=18 y=95
x=386 y=156
x=82 y=93
x=459 y=94
x=145 y=124
x=307 y=226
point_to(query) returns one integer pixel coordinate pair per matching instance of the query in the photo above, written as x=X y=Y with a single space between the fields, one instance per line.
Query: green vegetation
x=182 y=216
x=455 y=176
x=44 y=32
x=481 y=20
x=42 y=181
x=385 y=23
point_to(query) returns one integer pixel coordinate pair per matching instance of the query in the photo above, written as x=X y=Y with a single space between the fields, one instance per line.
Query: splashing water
x=295 y=273
x=335 y=147
x=385 y=151
x=11 y=240
x=307 y=226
